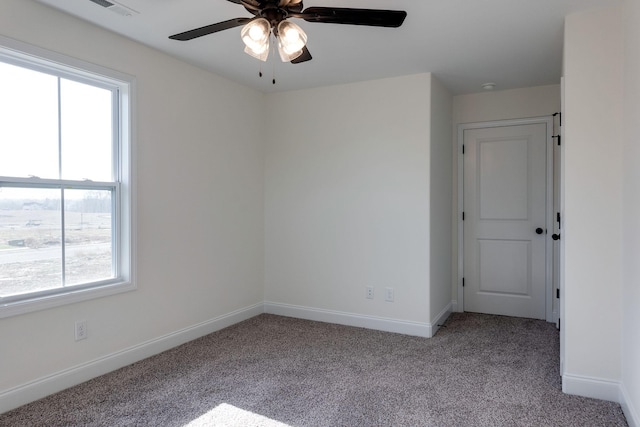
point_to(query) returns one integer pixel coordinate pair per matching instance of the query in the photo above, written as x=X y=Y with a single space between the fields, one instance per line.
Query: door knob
x=555 y=236
x=539 y=230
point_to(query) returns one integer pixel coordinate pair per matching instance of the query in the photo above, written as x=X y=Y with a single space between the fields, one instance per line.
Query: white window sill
x=41 y=303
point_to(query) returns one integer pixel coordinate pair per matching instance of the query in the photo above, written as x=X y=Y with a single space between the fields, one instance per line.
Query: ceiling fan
x=272 y=17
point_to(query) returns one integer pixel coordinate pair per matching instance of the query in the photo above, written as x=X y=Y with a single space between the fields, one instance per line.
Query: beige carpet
x=479 y=370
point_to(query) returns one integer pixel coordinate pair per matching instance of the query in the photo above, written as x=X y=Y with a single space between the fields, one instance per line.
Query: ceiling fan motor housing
x=274 y=15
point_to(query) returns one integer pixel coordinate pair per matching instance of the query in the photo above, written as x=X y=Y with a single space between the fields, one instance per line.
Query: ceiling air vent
x=115 y=7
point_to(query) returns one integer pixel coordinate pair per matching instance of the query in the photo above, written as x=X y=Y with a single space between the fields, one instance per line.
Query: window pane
x=63 y=239
x=30 y=236
x=88 y=236
x=29 y=131
x=86 y=131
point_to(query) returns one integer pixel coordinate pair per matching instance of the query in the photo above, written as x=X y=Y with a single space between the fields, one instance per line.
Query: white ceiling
x=514 y=43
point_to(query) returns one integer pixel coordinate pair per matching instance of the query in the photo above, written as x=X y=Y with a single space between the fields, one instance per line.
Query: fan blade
x=254 y=4
x=291 y=6
x=306 y=56
x=338 y=15
x=210 y=29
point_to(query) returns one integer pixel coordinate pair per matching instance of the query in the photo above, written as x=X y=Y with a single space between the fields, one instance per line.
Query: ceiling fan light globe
x=288 y=56
x=291 y=38
x=256 y=32
x=255 y=36
x=291 y=35
x=262 y=53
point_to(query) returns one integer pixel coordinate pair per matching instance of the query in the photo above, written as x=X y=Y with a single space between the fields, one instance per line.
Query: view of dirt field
x=30 y=249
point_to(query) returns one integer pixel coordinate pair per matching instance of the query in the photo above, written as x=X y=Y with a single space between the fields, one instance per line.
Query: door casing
x=548 y=121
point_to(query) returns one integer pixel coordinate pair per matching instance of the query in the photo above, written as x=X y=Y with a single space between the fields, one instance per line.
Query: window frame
x=124 y=213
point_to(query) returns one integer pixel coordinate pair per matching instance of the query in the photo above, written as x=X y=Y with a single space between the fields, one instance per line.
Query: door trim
x=548 y=121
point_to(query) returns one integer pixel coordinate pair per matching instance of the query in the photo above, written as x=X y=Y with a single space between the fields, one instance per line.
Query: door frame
x=548 y=121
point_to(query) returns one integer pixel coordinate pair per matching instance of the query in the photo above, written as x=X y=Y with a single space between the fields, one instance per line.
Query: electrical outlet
x=369 y=292
x=81 y=330
x=388 y=294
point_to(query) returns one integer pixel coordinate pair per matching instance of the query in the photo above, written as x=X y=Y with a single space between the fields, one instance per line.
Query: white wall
x=491 y=106
x=593 y=202
x=347 y=187
x=506 y=104
x=199 y=204
x=631 y=225
x=441 y=193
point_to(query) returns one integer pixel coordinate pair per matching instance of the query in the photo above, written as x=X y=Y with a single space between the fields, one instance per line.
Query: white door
x=505 y=220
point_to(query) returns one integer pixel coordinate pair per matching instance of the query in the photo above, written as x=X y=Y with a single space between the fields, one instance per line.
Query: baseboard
x=631 y=413
x=350 y=319
x=61 y=380
x=596 y=388
x=440 y=319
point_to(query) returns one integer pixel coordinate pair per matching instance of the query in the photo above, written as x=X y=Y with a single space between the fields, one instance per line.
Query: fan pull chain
x=273 y=60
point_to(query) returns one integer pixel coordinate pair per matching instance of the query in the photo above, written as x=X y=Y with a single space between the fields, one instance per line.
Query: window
x=66 y=215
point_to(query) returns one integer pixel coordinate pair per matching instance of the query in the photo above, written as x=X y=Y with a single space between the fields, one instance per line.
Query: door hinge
x=557 y=293
x=558 y=114
x=462 y=148
x=558 y=220
x=463 y=282
x=559 y=139
x=463 y=215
